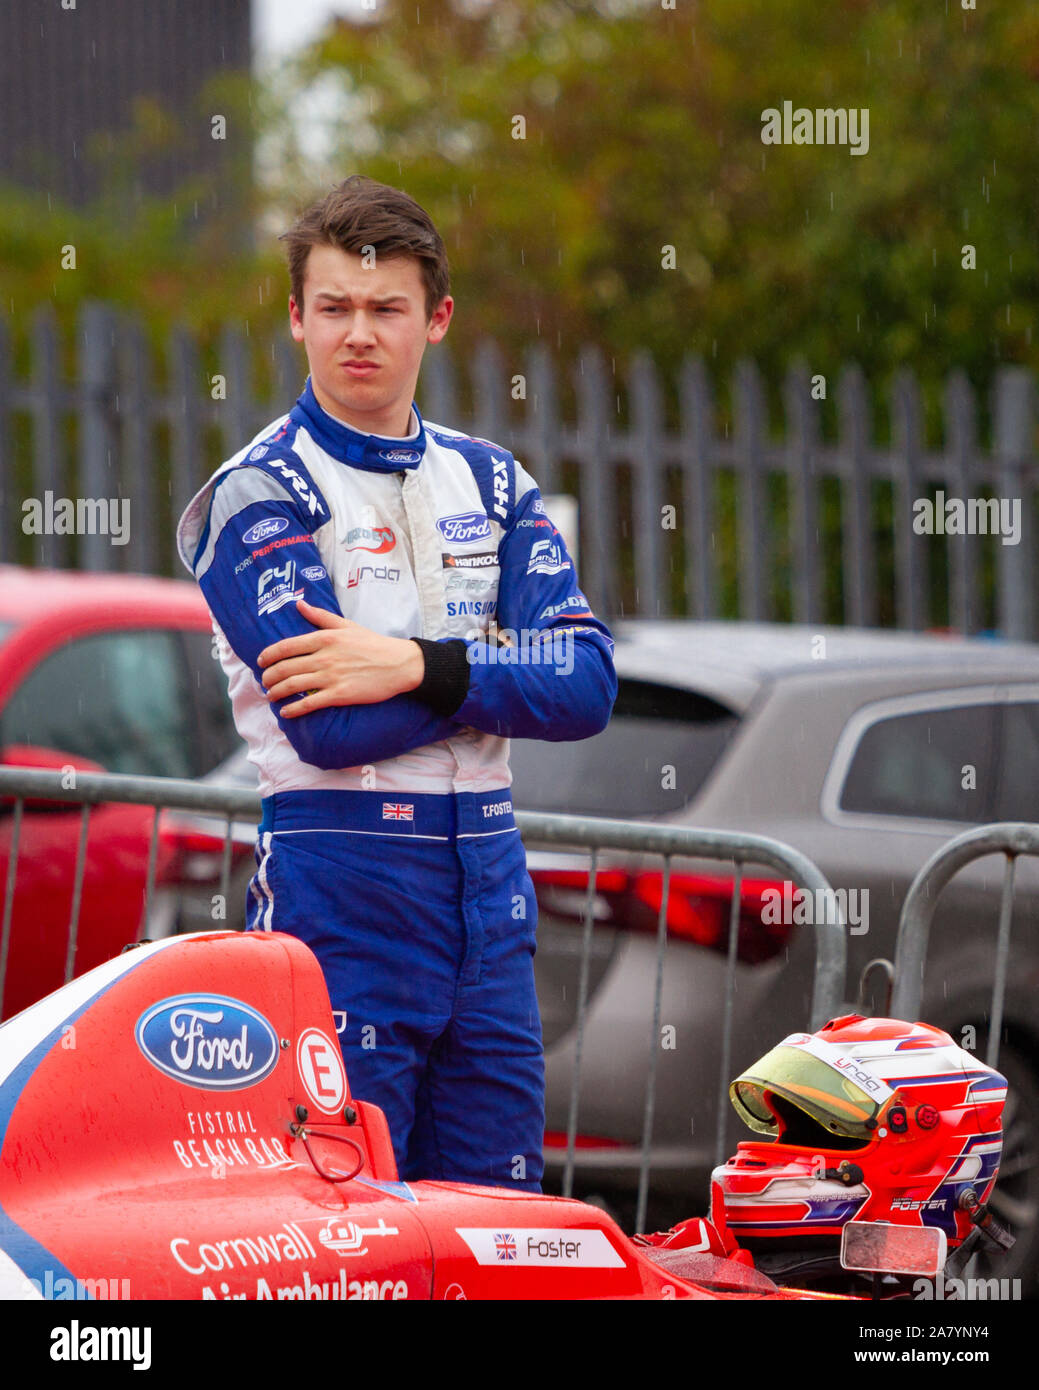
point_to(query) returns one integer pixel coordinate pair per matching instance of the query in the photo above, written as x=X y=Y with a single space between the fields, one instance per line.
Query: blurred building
x=70 y=77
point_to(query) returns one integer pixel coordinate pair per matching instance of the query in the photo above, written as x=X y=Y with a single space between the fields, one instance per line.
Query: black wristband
x=446 y=682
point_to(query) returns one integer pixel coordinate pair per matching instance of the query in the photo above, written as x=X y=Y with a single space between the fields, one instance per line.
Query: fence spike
x=960 y=445
x=49 y=460
x=236 y=415
x=490 y=409
x=1014 y=416
x=543 y=440
x=751 y=436
x=597 y=481
x=98 y=444
x=186 y=443
x=910 y=553
x=696 y=451
x=802 y=433
x=140 y=471
x=647 y=459
x=853 y=414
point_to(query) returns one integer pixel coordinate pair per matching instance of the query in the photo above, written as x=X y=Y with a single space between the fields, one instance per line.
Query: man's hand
x=339 y=663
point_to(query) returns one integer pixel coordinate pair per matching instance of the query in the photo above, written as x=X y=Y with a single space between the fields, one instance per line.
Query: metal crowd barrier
x=1010 y=838
x=95 y=789
x=554 y=831
x=690 y=842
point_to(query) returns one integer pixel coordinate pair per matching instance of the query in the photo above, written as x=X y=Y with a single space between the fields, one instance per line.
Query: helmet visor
x=836 y=1090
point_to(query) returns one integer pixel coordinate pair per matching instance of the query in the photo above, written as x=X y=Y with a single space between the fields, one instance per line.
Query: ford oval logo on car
x=464 y=528
x=263 y=529
x=208 y=1041
x=400 y=455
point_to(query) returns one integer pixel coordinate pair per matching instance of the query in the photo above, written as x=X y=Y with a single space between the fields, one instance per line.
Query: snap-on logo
x=272 y=526
x=464 y=527
x=400 y=455
x=208 y=1041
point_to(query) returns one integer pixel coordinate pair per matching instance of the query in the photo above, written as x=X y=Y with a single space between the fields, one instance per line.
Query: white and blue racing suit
x=387 y=842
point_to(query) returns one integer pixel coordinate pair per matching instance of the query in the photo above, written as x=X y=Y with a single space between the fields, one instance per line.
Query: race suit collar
x=376 y=453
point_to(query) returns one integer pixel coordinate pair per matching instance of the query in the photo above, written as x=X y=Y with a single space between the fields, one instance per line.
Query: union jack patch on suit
x=395 y=810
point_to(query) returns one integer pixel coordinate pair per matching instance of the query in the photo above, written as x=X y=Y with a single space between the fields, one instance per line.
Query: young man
x=362 y=567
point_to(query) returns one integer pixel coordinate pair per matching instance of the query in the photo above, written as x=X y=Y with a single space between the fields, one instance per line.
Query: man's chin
x=357 y=409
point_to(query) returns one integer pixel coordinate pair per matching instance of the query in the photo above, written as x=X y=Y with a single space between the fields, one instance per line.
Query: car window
x=218 y=736
x=935 y=764
x=652 y=758
x=120 y=699
x=1017 y=793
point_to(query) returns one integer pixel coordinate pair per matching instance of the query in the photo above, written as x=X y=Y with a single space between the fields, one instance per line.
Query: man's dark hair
x=360 y=212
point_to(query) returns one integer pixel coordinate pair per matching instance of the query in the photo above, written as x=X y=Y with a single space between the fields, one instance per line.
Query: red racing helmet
x=869 y=1119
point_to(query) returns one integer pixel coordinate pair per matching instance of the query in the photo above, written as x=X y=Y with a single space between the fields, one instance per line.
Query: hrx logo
x=501 y=486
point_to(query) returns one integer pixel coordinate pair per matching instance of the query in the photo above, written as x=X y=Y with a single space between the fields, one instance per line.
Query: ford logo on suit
x=464 y=528
x=208 y=1040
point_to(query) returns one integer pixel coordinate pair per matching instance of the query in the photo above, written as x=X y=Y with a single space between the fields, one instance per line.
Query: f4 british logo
x=547 y=557
x=276 y=588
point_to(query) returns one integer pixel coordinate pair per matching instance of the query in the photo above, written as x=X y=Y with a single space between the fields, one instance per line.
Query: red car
x=111 y=673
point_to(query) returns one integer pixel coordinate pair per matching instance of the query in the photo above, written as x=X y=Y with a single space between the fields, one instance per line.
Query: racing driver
x=391 y=605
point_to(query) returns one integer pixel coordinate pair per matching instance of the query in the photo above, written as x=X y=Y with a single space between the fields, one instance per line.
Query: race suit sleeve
x=255 y=558
x=556 y=679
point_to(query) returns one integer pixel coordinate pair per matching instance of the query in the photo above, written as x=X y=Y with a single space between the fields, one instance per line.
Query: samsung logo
x=208 y=1041
x=271 y=527
x=464 y=528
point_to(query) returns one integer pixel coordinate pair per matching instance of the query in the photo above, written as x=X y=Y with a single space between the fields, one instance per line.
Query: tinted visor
x=829 y=1096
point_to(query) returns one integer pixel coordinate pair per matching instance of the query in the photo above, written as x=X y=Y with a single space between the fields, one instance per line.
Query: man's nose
x=360 y=327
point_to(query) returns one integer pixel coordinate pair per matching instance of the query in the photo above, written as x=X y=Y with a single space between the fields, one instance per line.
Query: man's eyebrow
x=345 y=298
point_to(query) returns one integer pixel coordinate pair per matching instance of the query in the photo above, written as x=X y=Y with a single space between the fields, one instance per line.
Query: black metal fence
x=678 y=516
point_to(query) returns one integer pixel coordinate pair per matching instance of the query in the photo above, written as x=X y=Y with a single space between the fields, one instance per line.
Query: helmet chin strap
x=987 y=1230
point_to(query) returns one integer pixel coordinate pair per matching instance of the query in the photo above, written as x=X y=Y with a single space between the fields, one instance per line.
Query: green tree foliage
x=641 y=130
x=191 y=257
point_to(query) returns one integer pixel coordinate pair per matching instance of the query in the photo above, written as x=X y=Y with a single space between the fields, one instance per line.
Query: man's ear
x=295 y=319
x=440 y=320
